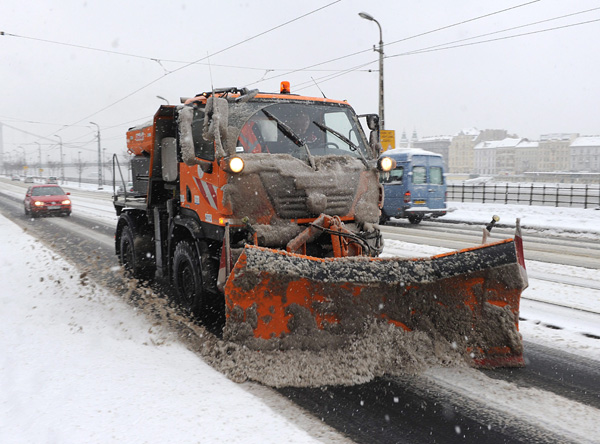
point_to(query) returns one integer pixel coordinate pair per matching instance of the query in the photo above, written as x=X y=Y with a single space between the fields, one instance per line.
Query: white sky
x=529 y=85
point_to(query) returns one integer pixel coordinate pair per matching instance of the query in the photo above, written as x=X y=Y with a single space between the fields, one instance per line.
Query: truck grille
x=290 y=202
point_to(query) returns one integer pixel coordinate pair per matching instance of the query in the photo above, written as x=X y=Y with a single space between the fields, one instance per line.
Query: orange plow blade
x=469 y=298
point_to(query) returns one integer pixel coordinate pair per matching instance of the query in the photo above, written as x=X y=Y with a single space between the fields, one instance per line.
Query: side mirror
x=68 y=194
x=372 y=121
x=216 y=121
x=373 y=125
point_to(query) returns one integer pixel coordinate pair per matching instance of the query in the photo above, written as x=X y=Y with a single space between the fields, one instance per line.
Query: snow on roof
x=557 y=136
x=528 y=144
x=474 y=132
x=586 y=141
x=525 y=143
x=434 y=138
x=411 y=152
x=494 y=144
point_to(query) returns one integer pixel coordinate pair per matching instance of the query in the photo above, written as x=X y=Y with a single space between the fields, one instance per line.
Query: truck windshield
x=287 y=127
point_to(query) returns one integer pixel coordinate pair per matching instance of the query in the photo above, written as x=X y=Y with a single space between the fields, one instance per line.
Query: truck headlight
x=386 y=164
x=235 y=165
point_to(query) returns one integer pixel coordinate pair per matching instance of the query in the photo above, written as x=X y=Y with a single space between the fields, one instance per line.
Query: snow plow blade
x=280 y=300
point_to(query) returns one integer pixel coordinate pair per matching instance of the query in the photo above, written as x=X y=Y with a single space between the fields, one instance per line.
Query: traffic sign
x=388 y=139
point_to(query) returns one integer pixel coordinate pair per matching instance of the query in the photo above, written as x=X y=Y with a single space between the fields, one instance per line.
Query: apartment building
x=527 y=156
x=585 y=154
x=555 y=151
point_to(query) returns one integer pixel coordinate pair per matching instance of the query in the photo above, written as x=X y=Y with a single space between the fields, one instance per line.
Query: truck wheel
x=415 y=219
x=131 y=257
x=383 y=219
x=187 y=278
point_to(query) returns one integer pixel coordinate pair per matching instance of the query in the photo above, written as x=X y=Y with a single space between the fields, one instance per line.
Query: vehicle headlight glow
x=236 y=164
x=37 y=203
x=386 y=164
x=66 y=202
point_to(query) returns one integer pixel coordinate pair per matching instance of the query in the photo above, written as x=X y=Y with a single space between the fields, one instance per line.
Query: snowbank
x=80 y=366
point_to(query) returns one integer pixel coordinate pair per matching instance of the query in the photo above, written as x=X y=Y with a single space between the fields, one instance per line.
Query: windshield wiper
x=344 y=139
x=290 y=134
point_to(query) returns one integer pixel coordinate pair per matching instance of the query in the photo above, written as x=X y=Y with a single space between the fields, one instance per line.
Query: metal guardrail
x=559 y=195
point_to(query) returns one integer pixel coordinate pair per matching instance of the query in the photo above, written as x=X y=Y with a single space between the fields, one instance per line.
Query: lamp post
x=99 y=158
x=62 y=164
x=24 y=155
x=380 y=51
x=162 y=98
x=79 y=168
x=40 y=153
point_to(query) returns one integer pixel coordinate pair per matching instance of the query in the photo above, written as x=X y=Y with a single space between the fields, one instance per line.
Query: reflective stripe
x=208 y=192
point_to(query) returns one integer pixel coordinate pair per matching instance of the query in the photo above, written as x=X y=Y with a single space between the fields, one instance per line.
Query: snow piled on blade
x=466 y=303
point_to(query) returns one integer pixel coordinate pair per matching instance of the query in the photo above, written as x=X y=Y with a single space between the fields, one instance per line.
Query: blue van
x=416 y=188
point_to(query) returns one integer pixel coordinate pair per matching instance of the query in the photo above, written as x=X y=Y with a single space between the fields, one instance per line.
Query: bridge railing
x=557 y=195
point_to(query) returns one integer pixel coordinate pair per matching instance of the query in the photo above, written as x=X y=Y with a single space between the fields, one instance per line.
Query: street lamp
x=380 y=51
x=62 y=165
x=162 y=98
x=99 y=158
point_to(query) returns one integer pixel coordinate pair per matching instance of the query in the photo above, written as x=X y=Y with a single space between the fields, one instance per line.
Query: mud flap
x=469 y=298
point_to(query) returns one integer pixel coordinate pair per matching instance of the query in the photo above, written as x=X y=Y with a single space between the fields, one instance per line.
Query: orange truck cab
x=233 y=167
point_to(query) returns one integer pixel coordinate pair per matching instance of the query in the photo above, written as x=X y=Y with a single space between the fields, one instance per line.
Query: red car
x=46 y=199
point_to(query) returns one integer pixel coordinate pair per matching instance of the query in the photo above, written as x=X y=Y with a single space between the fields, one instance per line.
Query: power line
x=461 y=23
x=153 y=59
x=159 y=60
x=263 y=78
x=397 y=41
x=508 y=29
x=300 y=86
x=203 y=58
x=185 y=66
x=444 y=46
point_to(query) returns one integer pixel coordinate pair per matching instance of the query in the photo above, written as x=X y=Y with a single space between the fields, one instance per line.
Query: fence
x=557 y=195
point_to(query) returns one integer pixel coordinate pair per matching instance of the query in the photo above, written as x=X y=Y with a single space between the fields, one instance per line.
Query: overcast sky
x=60 y=69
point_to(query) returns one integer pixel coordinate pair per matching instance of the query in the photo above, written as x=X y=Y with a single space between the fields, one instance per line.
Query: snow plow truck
x=262 y=208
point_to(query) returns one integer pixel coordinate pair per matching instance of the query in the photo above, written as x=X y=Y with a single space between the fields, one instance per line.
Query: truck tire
x=415 y=219
x=131 y=256
x=187 y=278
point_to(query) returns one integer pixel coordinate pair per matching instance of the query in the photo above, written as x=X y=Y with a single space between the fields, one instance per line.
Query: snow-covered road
x=81 y=366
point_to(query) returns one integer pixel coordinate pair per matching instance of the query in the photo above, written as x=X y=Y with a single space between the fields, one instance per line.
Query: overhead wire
x=402 y=40
x=445 y=46
x=153 y=59
x=336 y=73
x=208 y=56
x=182 y=67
